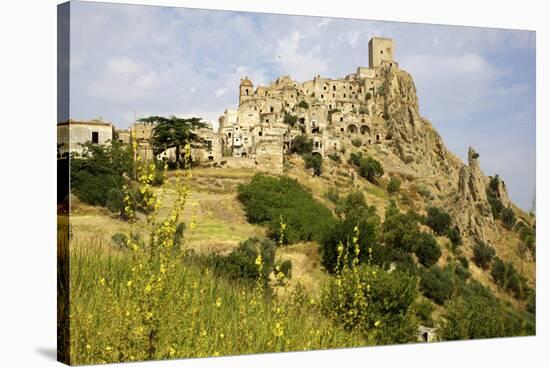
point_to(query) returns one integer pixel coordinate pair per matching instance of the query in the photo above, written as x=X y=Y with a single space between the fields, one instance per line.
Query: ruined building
x=332 y=112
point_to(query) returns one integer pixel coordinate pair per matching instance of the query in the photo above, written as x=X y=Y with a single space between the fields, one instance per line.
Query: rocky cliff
x=416 y=142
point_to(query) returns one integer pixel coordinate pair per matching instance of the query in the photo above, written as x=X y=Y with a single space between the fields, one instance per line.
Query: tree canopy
x=174 y=132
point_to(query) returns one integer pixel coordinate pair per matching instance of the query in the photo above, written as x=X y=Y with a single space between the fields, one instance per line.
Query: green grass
x=200 y=315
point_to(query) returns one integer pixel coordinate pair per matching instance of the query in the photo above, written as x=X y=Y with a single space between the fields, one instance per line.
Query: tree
x=373 y=302
x=436 y=284
x=426 y=249
x=393 y=185
x=174 y=132
x=483 y=254
x=508 y=218
x=438 y=220
x=314 y=161
x=301 y=145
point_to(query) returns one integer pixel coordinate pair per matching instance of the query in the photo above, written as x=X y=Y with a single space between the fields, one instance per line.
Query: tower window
x=247 y=92
x=95 y=137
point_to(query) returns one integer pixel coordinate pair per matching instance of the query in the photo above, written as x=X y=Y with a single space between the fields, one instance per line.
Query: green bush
x=424 y=310
x=303 y=104
x=464 y=262
x=240 y=264
x=438 y=220
x=507 y=277
x=99 y=169
x=473 y=317
x=394 y=185
x=119 y=241
x=453 y=234
x=301 y=145
x=315 y=161
x=426 y=249
x=335 y=157
x=285 y=267
x=290 y=119
x=368 y=96
x=115 y=200
x=424 y=192
x=508 y=218
x=483 y=254
x=268 y=199
x=369 y=167
x=373 y=302
x=436 y=284
x=354 y=214
x=356 y=142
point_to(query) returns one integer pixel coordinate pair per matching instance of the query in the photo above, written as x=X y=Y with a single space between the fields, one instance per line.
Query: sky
x=475 y=85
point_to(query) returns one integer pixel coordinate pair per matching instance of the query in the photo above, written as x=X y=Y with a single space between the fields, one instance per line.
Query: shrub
x=268 y=199
x=508 y=218
x=408 y=159
x=438 y=220
x=290 y=119
x=356 y=142
x=436 y=284
x=283 y=270
x=424 y=309
x=369 y=167
x=426 y=249
x=301 y=145
x=368 y=96
x=97 y=174
x=115 y=200
x=335 y=157
x=394 y=185
x=357 y=221
x=464 y=262
x=315 y=161
x=240 y=264
x=119 y=241
x=453 y=234
x=373 y=302
x=363 y=110
x=424 y=192
x=303 y=104
x=507 y=277
x=483 y=254
x=473 y=317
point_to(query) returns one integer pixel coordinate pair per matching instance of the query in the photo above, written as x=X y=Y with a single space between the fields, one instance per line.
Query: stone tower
x=380 y=51
x=246 y=89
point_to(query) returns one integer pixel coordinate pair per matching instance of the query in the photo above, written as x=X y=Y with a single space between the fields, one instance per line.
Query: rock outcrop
x=471 y=210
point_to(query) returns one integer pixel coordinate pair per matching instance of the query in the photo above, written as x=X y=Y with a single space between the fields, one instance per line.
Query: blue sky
x=476 y=85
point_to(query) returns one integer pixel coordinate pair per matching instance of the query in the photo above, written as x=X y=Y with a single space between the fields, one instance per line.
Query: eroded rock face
x=413 y=138
x=416 y=142
x=472 y=211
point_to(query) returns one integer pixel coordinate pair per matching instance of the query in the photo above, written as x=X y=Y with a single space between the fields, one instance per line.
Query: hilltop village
x=332 y=112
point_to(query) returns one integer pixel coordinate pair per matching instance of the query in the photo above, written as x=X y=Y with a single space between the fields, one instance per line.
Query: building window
x=95 y=137
x=209 y=144
x=270 y=109
x=322 y=96
x=259 y=133
x=334 y=88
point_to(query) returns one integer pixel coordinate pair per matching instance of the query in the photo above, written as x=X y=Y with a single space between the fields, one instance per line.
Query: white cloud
x=123 y=66
x=353 y=38
x=300 y=64
x=220 y=92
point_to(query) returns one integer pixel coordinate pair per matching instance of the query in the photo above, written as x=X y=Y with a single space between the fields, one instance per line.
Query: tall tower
x=246 y=89
x=380 y=51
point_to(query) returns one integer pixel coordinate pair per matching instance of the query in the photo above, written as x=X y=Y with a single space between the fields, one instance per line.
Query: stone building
x=331 y=112
x=72 y=134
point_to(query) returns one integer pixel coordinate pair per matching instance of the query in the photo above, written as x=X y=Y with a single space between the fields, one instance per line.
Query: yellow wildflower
x=218 y=302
